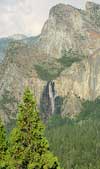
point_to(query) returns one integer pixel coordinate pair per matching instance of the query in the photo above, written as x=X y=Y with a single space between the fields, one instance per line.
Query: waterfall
x=47 y=101
x=51 y=92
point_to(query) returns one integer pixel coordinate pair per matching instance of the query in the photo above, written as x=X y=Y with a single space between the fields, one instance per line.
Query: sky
x=28 y=16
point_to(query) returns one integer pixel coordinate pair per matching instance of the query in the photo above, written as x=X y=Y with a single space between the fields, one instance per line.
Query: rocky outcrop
x=82 y=78
x=71 y=106
x=54 y=77
x=93 y=11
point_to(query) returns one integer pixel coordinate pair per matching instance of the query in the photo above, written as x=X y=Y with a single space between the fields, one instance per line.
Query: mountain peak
x=92 y=6
x=60 y=9
x=63 y=8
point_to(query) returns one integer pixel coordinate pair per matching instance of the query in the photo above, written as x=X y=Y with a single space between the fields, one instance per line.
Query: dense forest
x=77 y=141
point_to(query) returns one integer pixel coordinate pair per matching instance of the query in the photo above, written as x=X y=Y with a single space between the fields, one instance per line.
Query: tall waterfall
x=47 y=102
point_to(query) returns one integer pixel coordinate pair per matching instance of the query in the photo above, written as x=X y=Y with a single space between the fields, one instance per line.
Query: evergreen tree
x=29 y=148
x=3 y=145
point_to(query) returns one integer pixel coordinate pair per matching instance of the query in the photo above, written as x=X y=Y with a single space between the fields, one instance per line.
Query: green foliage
x=69 y=57
x=56 y=120
x=91 y=110
x=77 y=144
x=51 y=69
x=3 y=145
x=47 y=72
x=58 y=104
x=28 y=147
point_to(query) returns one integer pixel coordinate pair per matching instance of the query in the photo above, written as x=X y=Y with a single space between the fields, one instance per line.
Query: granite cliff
x=61 y=65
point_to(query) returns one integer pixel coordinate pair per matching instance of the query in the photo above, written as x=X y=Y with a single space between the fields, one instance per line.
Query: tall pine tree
x=3 y=145
x=29 y=148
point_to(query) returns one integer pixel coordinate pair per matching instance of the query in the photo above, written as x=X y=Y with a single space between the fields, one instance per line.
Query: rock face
x=62 y=65
x=68 y=27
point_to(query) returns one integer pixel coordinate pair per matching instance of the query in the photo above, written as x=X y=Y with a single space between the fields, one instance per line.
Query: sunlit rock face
x=62 y=82
x=68 y=27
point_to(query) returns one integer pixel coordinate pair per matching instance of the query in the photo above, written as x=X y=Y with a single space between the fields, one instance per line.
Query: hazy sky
x=28 y=16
